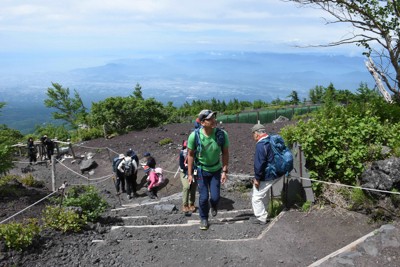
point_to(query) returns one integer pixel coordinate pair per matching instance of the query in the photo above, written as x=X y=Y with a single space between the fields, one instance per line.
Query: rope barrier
x=37 y=202
x=107 y=177
x=98 y=182
x=88 y=179
x=350 y=186
x=329 y=183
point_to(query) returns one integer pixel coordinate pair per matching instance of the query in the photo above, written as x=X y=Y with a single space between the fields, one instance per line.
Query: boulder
x=87 y=165
x=382 y=175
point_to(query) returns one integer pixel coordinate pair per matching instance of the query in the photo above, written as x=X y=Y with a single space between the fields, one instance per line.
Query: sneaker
x=204 y=224
x=214 y=211
x=128 y=197
x=254 y=220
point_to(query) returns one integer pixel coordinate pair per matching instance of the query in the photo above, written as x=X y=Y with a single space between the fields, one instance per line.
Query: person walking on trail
x=205 y=146
x=120 y=179
x=149 y=160
x=156 y=178
x=49 y=145
x=188 y=190
x=31 y=151
x=129 y=168
x=262 y=181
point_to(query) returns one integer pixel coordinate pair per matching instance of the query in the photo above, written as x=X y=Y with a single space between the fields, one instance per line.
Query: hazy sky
x=85 y=31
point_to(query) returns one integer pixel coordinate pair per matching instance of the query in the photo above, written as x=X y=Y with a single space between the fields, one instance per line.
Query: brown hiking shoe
x=192 y=208
x=185 y=208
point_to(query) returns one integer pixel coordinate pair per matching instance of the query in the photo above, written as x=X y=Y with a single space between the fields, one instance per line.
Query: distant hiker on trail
x=49 y=145
x=205 y=146
x=188 y=190
x=31 y=151
x=262 y=181
x=129 y=168
x=150 y=161
x=120 y=178
x=156 y=178
x=131 y=153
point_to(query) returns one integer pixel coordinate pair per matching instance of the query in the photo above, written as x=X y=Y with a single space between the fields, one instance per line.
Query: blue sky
x=80 y=33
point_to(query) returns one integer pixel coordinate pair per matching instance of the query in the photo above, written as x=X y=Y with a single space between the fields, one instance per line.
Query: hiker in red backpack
x=188 y=189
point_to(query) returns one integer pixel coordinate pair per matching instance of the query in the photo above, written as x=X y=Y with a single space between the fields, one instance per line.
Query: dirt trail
x=143 y=232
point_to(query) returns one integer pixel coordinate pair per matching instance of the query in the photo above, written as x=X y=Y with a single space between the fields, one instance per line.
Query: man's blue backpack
x=283 y=157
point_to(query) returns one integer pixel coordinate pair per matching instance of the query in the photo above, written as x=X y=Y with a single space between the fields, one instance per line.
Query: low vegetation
x=70 y=214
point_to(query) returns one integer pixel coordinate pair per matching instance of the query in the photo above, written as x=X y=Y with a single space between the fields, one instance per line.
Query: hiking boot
x=185 y=208
x=254 y=220
x=214 y=211
x=203 y=224
x=192 y=208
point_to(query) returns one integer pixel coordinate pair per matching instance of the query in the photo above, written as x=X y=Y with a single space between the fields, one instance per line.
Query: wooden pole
x=53 y=173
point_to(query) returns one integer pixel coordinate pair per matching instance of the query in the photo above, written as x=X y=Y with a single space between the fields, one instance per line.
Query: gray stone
x=87 y=165
x=382 y=175
x=165 y=207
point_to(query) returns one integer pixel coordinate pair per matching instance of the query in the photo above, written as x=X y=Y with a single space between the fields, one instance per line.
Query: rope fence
x=102 y=179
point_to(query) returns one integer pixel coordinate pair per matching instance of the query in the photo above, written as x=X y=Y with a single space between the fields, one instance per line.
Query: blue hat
x=147 y=154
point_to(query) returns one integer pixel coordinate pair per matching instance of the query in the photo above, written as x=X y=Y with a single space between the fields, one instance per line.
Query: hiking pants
x=208 y=183
x=120 y=181
x=260 y=199
x=188 y=190
x=131 y=184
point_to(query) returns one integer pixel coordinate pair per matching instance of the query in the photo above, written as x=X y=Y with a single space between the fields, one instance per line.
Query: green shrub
x=62 y=219
x=358 y=199
x=275 y=206
x=165 y=141
x=88 y=199
x=29 y=180
x=336 y=142
x=87 y=134
x=19 y=235
x=395 y=198
x=306 y=206
x=7 y=178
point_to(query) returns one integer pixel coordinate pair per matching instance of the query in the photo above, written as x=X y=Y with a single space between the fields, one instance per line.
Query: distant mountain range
x=183 y=77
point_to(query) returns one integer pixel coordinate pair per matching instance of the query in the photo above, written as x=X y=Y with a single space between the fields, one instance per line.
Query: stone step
x=188 y=230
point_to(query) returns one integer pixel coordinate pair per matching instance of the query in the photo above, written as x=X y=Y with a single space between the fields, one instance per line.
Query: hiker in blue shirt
x=262 y=181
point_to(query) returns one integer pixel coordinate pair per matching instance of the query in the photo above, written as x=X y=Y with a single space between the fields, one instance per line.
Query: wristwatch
x=225 y=171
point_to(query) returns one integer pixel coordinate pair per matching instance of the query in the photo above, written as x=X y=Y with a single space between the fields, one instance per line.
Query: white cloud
x=44 y=25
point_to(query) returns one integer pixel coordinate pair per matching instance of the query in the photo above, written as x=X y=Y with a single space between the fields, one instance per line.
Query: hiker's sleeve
x=191 y=142
x=153 y=180
x=135 y=165
x=120 y=166
x=226 y=144
x=260 y=162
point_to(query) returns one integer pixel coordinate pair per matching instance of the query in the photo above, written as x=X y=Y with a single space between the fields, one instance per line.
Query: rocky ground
x=145 y=232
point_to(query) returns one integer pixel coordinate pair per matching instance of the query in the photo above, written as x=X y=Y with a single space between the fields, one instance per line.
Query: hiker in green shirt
x=205 y=146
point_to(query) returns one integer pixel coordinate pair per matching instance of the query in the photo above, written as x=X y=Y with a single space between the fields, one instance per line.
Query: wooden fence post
x=53 y=173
